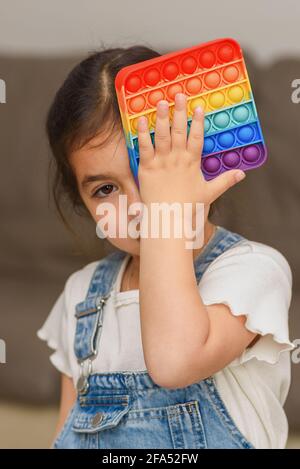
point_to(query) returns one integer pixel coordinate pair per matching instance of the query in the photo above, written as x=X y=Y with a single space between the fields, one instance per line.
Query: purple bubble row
x=244 y=158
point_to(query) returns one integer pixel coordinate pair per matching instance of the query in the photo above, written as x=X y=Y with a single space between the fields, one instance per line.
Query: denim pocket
x=100 y=412
x=97 y=415
x=186 y=425
x=177 y=426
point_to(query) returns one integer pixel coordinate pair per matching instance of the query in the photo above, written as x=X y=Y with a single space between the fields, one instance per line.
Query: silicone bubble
x=155 y=96
x=231 y=159
x=153 y=119
x=226 y=53
x=251 y=154
x=214 y=77
x=221 y=119
x=226 y=140
x=133 y=83
x=193 y=85
x=231 y=74
x=152 y=77
x=173 y=89
x=207 y=59
x=236 y=94
x=189 y=64
x=241 y=114
x=197 y=102
x=217 y=99
x=211 y=164
x=246 y=134
x=209 y=145
x=170 y=71
x=134 y=125
x=207 y=124
x=137 y=104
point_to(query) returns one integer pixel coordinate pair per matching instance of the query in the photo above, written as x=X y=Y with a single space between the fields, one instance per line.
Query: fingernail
x=162 y=108
x=179 y=98
x=239 y=176
x=198 y=111
x=163 y=104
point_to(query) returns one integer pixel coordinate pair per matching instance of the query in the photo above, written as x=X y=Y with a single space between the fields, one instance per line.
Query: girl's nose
x=134 y=203
x=133 y=194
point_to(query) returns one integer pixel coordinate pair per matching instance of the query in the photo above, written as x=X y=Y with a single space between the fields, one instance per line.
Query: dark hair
x=83 y=107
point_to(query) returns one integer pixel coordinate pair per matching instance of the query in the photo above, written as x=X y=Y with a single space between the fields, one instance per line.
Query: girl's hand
x=184 y=340
x=172 y=171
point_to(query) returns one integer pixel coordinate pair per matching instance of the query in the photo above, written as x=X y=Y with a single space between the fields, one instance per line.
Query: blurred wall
x=268 y=28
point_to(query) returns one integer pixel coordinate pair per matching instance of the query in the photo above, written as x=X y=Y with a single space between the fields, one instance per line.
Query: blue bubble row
x=243 y=135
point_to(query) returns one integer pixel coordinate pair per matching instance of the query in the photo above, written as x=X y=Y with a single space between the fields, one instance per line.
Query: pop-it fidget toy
x=212 y=75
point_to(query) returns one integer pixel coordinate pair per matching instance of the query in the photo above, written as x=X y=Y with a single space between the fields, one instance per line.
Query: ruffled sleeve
x=254 y=280
x=55 y=332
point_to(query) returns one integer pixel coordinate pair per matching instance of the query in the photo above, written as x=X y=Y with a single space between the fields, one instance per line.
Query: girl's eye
x=104 y=191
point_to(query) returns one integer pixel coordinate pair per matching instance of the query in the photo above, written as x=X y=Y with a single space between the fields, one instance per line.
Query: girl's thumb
x=222 y=183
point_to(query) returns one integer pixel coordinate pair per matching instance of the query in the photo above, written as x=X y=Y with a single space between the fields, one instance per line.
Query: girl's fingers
x=162 y=137
x=196 y=134
x=179 y=124
x=216 y=187
x=146 y=150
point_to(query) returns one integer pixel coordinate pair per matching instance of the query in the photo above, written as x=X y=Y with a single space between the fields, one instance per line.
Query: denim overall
x=126 y=409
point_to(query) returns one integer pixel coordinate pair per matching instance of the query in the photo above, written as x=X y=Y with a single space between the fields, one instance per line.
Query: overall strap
x=221 y=241
x=89 y=313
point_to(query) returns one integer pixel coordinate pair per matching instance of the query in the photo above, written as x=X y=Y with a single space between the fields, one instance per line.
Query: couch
x=38 y=252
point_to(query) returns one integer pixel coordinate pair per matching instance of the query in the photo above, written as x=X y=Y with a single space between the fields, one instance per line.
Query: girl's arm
x=183 y=339
x=68 y=398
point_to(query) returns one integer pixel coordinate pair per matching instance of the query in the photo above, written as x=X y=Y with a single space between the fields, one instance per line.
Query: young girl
x=160 y=346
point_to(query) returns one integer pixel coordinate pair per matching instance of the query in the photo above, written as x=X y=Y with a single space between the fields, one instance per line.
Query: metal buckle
x=82 y=384
x=102 y=300
x=100 y=307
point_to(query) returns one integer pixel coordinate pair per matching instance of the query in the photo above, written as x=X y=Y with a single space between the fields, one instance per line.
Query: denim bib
x=126 y=409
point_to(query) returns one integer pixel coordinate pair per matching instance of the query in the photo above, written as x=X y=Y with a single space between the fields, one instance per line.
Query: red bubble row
x=186 y=64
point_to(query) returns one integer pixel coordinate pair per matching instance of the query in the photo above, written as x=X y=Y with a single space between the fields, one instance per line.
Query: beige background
x=269 y=28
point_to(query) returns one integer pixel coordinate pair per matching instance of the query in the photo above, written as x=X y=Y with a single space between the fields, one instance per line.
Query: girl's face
x=103 y=173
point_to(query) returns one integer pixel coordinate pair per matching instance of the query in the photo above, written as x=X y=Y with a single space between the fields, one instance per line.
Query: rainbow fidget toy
x=212 y=75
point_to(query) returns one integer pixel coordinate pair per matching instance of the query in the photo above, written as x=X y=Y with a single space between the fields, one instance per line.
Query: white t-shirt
x=252 y=279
